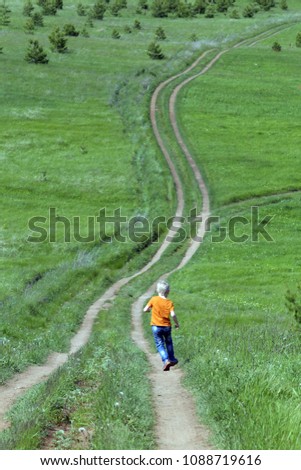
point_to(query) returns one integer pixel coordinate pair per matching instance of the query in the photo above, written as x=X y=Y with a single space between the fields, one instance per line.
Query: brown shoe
x=166 y=366
x=173 y=363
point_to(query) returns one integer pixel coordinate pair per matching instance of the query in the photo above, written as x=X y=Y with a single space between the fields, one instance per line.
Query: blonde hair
x=163 y=287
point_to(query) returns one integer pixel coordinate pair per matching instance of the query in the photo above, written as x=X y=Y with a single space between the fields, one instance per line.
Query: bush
x=234 y=15
x=137 y=25
x=35 y=53
x=276 y=47
x=29 y=26
x=222 y=6
x=293 y=304
x=28 y=8
x=283 y=5
x=81 y=9
x=159 y=9
x=266 y=4
x=49 y=8
x=199 y=6
x=160 y=34
x=69 y=30
x=185 y=10
x=298 y=40
x=98 y=10
x=38 y=19
x=58 y=41
x=154 y=51
x=115 y=34
x=248 y=11
x=143 y=5
x=4 y=14
x=210 y=11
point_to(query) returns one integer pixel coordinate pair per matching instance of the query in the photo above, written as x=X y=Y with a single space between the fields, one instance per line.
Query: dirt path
x=177 y=425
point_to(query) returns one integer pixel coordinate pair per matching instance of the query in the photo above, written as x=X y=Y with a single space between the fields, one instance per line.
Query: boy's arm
x=174 y=317
x=147 y=308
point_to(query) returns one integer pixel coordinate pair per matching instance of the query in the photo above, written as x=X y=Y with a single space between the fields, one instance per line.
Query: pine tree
x=137 y=25
x=199 y=6
x=160 y=34
x=35 y=53
x=248 y=11
x=38 y=19
x=115 y=34
x=143 y=4
x=159 y=9
x=154 y=51
x=28 y=8
x=276 y=47
x=283 y=5
x=210 y=11
x=98 y=10
x=29 y=26
x=69 y=30
x=49 y=8
x=58 y=41
x=4 y=14
x=81 y=9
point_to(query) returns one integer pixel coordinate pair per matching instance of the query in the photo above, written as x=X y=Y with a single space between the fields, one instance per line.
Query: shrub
x=298 y=40
x=210 y=11
x=28 y=8
x=293 y=303
x=248 y=11
x=137 y=25
x=58 y=41
x=115 y=34
x=38 y=19
x=4 y=14
x=185 y=10
x=98 y=10
x=234 y=14
x=84 y=32
x=266 y=4
x=69 y=30
x=143 y=5
x=276 y=46
x=283 y=5
x=49 y=8
x=222 y=6
x=81 y=9
x=160 y=34
x=159 y=9
x=154 y=51
x=35 y=53
x=29 y=26
x=199 y=6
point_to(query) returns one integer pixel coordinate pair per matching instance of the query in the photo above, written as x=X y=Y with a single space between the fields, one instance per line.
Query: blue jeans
x=163 y=341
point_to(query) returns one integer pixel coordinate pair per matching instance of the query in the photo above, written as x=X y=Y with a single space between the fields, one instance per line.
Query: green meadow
x=76 y=137
x=240 y=120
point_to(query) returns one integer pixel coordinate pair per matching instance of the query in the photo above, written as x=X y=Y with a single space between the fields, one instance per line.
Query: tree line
x=96 y=11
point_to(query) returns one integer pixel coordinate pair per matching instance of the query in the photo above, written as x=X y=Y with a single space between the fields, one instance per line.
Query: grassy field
x=76 y=137
x=241 y=122
x=68 y=126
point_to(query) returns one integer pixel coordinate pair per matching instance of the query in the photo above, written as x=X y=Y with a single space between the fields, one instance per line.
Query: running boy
x=162 y=308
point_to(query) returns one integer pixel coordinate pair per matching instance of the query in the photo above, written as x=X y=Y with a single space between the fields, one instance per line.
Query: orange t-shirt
x=161 y=309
